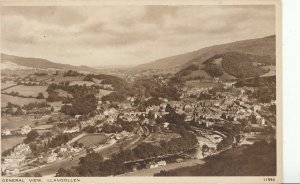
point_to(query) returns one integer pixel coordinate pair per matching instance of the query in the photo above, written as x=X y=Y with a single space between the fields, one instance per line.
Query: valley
x=171 y=119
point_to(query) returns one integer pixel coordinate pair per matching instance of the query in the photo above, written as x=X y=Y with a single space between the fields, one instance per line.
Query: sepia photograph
x=130 y=90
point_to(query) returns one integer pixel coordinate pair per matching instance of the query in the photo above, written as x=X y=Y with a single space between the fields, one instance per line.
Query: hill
x=17 y=62
x=260 y=47
x=256 y=160
x=228 y=65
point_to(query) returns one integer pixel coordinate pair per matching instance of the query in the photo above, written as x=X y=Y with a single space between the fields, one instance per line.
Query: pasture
x=201 y=84
x=18 y=100
x=15 y=122
x=63 y=93
x=7 y=84
x=92 y=139
x=28 y=91
x=103 y=92
x=60 y=78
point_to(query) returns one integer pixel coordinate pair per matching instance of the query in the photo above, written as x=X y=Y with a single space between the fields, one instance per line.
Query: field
x=201 y=84
x=18 y=100
x=13 y=123
x=60 y=78
x=63 y=93
x=29 y=90
x=5 y=85
x=156 y=137
x=10 y=141
x=92 y=139
x=81 y=83
x=103 y=92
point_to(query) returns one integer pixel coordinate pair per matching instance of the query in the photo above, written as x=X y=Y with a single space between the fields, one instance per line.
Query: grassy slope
x=241 y=161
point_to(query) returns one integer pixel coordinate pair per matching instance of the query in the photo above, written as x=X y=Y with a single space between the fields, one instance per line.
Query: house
x=179 y=160
x=52 y=157
x=6 y=132
x=22 y=149
x=77 y=116
x=72 y=130
x=166 y=124
x=110 y=111
x=25 y=130
x=256 y=108
x=152 y=166
x=162 y=163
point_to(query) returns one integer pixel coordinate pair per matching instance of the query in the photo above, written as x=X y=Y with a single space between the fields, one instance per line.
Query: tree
x=50 y=120
x=204 y=149
x=33 y=134
x=65 y=173
x=90 y=129
x=40 y=96
x=37 y=174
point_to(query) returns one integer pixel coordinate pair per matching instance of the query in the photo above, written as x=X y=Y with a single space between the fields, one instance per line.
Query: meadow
x=92 y=139
x=8 y=84
x=15 y=122
x=81 y=83
x=28 y=91
x=18 y=100
x=103 y=92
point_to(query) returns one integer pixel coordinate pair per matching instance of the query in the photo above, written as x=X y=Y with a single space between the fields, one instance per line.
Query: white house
x=162 y=163
x=72 y=130
x=25 y=129
x=6 y=132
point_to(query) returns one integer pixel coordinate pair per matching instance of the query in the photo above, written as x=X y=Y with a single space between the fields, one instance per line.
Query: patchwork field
x=92 y=139
x=28 y=90
x=18 y=100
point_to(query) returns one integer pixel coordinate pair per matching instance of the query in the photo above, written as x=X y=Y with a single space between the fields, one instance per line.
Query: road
x=171 y=166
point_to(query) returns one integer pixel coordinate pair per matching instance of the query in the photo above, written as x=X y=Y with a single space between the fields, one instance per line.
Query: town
x=85 y=124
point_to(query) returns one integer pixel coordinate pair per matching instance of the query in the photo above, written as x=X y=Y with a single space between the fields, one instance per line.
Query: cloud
x=127 y=34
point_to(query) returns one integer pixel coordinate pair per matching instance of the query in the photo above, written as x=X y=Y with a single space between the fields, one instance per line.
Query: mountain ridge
x=42 y=63
x=264 y=46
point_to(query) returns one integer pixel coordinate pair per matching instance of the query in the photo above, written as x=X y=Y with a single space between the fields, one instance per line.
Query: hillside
x=260 y=47
x=26 y=63
x=228 y=65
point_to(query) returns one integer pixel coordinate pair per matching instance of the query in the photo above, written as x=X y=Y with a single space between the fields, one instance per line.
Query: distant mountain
x=259 y=47
x=16 y=62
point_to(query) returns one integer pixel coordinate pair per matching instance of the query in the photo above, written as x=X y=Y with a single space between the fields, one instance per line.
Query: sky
x=127 y=35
